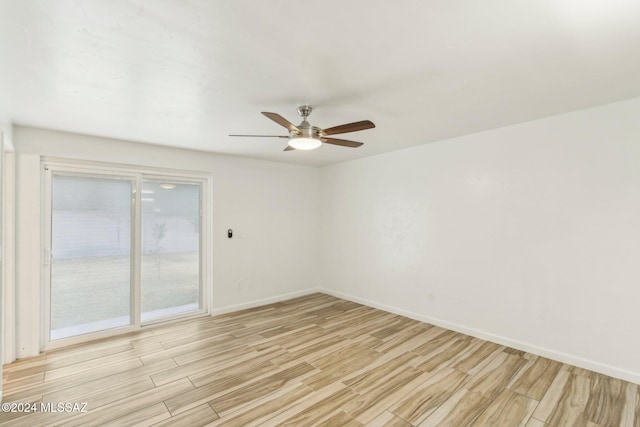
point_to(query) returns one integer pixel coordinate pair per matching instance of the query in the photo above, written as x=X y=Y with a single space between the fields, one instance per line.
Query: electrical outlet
x=431 y=297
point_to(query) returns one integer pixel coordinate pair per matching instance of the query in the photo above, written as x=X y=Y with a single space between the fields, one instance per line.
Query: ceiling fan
x=307 y=137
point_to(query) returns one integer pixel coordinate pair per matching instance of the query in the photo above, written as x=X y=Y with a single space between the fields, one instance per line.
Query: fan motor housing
x=306 y=131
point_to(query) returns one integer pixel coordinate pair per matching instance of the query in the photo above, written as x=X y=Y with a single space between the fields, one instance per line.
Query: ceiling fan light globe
x=302 y=143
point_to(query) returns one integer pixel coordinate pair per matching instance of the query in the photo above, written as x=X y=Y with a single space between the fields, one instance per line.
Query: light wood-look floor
x=314 y=360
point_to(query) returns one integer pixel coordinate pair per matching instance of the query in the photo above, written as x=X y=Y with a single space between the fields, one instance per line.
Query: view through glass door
x=170 y=249
x=124 y=251
x=90 y=254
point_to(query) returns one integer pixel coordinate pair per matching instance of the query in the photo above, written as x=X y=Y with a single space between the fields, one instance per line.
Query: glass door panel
x=170 y=265
x=90 y=254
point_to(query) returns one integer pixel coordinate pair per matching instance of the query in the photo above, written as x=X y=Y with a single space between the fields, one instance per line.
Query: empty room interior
x=338 y=213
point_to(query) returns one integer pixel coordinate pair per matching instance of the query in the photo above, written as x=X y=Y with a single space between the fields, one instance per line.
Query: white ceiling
x=188 y=73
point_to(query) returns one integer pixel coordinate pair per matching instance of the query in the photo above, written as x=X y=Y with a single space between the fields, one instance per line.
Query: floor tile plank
x=606 y=401
x=417 y=406
x=508 y=409
x=387 y=419
x=462 y=408
x=536 y=379
x=565 y=402
x=199 y=416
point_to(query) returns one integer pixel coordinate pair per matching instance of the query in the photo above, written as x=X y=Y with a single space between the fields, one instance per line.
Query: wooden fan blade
x=289 y=148
x=263 y=136
x=281 y=121
x=342 y=142
x=349 y=127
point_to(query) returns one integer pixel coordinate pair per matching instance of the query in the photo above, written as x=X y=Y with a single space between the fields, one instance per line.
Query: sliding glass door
x=122 y=250
x=90 y=254
x=170 y=248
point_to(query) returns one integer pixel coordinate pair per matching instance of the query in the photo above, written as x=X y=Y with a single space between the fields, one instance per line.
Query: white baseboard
x=264 y=301
x=591 y=365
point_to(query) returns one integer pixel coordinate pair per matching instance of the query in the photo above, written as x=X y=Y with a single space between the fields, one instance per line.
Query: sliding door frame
x=136 y=175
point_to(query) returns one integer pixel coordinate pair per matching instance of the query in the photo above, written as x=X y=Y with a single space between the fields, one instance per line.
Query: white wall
x=527 y=235
x=272 y=208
